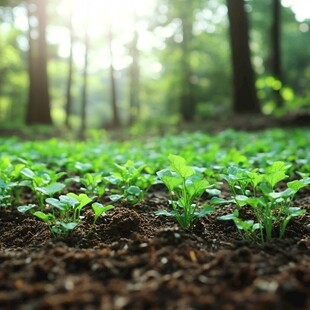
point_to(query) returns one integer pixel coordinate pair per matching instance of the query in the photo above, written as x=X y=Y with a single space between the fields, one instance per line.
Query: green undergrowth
x=264 y=170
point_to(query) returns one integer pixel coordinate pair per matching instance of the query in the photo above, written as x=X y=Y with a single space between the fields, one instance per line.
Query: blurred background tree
x=152 y=62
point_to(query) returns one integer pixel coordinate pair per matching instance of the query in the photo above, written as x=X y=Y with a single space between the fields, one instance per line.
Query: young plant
x=65 y=214
x=43 y=184
x=258 y=190
x=185 y=187
x=10 y=185
x=130 y=182
x=100 y=209
x=93 y=184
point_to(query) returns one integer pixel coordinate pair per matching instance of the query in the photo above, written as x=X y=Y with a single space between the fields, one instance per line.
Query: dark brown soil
x=133 y=259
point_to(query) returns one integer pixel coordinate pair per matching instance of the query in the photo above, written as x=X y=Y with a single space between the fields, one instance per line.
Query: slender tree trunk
x=245 y=98
x=38 y=107
x=276 y=48
x=85 y=84
x=134 y=77
x=68 y=106
x=115 y=115
x=187 y=98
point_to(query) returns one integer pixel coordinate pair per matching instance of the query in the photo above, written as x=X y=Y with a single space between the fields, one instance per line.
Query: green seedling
x=100 y=209
x=185 y=188
x=129 y=181
x=65 y=214
x=258 y=190
x=43 y=185
x=93 y=184
x=10 y=185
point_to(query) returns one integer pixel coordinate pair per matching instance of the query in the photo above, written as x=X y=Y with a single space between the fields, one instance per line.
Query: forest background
x=108 y=64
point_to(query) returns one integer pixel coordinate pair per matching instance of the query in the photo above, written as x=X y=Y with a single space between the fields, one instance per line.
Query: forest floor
x=133 y=259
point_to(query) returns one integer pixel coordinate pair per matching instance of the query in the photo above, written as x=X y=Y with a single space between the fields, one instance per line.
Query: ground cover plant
x=183 y=221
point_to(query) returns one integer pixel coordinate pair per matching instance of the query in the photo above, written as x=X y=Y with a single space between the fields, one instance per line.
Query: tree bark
x=115 y=116
x=187 y=98
x=245 y=99
x=68 y=106
x=134 y=77
x=276 y=48
x=38 y=106
x=85 y=84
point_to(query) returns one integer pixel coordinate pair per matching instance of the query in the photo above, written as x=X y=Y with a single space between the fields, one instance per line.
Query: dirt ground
x=133 y=259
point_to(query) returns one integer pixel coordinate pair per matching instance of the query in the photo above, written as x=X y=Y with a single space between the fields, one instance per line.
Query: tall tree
x=68 y=106
x=38 y=106
x=115 y=115
x=85 y=79
x=187 y=99
x=134 y=73
x=245 y=98
x=276 y=48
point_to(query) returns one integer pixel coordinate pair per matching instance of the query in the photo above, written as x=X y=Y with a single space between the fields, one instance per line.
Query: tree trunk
x=245 y=99
x=84 y=86
x=38 y=107
x=134 y=77
x=187 y=100
x=115 y=116
x=276 y=48
x=68 y=106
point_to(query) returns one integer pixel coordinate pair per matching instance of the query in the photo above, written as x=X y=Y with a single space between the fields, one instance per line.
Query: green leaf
x=67 y=226
x=24 y=209
x=227 y=217
x=100 y=209
x=69 y=201
x=116 y=197
x=204 y=211
x=265 y=187
x=170 y=179
x=27 y=173
x=134 y=190
x=82 y=198
x=51 y=189
x=241 y=200
x=277 y=166
x=213 y=191
x=179 y=165
x=274 y=178
x=244 y=225
x=284 y=194
x=296 y=185
x=255 y=178
x=46 y=217
x=219 y=201
x=55 y=203
x=196 y=187
x=295 y=211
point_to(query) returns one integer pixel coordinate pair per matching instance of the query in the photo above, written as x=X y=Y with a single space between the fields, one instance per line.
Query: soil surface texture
x=133 y=259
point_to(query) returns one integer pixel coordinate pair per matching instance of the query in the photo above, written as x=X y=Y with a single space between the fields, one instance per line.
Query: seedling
x=185 y=188
x=258 y=190
x=43 y=185
x=65 y=213
x=93 y=184
x=130 y=182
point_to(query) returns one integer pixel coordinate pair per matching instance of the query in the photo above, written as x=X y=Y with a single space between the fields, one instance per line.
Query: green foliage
x=93 y=184
x=261 y=176
x=185 y=188
x=100 y=209
x=65 y=213
x=42 y=183
x=130 y=183
x=258 y=190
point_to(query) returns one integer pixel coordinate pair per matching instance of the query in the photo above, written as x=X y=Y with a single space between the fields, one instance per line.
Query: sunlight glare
x=301 y=8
